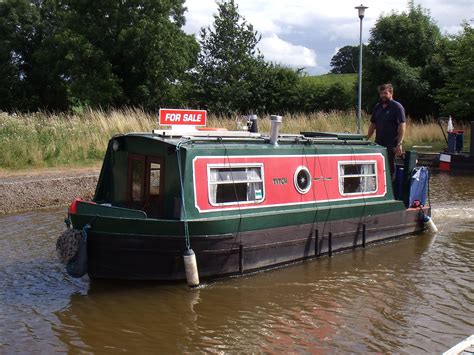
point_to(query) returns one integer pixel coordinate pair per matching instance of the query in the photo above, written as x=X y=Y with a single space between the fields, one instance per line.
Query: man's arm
x=371 y=130
x=401 y=134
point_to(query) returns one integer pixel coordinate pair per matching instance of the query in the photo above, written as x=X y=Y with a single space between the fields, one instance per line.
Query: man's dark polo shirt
x=386 y=122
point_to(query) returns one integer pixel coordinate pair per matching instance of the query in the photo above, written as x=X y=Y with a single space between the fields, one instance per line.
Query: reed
x=44 y=140
x=39 y=140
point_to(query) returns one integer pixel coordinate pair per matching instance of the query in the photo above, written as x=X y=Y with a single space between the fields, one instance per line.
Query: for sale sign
x=182 y=117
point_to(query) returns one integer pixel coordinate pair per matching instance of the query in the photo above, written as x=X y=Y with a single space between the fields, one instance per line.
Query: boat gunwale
x=326 y=208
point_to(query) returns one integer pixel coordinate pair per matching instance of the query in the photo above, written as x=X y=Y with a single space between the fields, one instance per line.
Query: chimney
x=252 y=123
x=276 y=121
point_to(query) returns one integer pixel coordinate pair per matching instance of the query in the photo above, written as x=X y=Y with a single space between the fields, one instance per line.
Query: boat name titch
x=322 y=179
x=280 y=181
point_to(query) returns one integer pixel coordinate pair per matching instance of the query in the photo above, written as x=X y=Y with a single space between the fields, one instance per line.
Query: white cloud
x=348 y=32
x=199 y=14
x=308 y=26
x=451 y=29
x=264 y=25
x=279 y=51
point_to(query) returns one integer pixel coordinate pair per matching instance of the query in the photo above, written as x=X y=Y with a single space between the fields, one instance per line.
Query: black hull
x=460 y=162
x=141 y=257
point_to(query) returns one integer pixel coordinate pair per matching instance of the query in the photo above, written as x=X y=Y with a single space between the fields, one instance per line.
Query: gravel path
x=46 y=188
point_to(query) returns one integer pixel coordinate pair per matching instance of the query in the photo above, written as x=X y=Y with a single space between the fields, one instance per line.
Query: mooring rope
x=329 y=204
x=183 y=203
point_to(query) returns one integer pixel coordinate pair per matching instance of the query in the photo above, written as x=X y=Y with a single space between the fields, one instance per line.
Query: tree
x=323 y=93
x=276 y=92
x=457 y=97
x=403 y=50
x=346 y=60
x=230 y=67
x=19 y=35
x=94 y=52
x=412 y=35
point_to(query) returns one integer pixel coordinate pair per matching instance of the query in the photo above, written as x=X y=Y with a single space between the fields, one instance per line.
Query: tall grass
x=40 y=140
x=44 y=140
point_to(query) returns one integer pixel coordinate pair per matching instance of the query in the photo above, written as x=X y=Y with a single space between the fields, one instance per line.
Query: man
x=389 y=122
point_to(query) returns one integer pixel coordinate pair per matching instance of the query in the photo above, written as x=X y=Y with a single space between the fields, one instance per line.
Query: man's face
x=385 y=95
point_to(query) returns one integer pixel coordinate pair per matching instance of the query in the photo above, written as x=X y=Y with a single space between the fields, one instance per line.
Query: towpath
x=34 y=189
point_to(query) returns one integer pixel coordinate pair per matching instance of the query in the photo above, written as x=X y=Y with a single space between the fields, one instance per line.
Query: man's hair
x=384 y=87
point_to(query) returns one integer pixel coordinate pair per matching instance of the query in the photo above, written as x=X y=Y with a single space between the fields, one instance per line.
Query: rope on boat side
x=181 y=183
x=189 y=258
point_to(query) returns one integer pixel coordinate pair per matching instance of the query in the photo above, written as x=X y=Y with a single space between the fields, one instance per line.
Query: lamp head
x=361 y=10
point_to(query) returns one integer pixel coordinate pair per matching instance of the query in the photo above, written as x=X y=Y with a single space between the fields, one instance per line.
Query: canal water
x=414 y=295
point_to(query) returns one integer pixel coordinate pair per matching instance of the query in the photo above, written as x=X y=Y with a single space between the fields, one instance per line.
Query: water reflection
x=414 y=295
x=305 y=306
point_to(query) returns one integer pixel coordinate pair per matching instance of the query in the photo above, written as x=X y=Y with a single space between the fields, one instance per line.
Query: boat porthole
x=302 y=180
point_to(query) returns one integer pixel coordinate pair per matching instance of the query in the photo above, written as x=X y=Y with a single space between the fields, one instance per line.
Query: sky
x=307 y=33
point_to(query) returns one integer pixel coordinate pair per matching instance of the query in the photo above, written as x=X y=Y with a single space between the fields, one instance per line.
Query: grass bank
x=43 y=140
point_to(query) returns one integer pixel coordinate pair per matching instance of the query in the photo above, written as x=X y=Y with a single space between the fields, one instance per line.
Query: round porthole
x=302 y=180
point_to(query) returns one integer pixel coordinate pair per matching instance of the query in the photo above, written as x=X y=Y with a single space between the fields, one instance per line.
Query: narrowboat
x=453 y=158
x=241 y=201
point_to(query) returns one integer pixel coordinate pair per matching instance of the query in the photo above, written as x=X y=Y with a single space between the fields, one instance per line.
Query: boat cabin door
x=145 y=184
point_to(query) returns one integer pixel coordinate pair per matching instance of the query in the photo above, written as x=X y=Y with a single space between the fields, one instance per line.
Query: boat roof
x=218 y=136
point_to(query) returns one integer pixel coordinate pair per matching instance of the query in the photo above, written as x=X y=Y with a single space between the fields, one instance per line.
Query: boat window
x=138 y=174
x=357 y=177
x=155 y=172
x=229 y=185
x=302 y=180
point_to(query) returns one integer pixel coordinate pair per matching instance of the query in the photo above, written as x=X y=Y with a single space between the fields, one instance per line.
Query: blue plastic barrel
x=419 y=185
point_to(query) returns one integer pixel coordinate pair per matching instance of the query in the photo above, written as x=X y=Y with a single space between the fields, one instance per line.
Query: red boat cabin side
x=243 y=182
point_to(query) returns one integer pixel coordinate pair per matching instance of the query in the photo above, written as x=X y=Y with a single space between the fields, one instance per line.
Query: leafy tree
x=457 y=96
x=412 y=35
x=346 y=60
x=403 y=49
x=94 y=52
x=19 y=35
x=276 y=91
x=230 y=67
x=323 y=94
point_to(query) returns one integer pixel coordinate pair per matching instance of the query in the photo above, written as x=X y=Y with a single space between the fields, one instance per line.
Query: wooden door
x=145 y=184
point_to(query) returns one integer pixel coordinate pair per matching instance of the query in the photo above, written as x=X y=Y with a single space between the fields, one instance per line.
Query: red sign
x=182 y=117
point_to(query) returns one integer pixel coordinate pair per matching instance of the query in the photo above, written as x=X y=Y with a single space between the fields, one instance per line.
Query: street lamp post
x=361 y=10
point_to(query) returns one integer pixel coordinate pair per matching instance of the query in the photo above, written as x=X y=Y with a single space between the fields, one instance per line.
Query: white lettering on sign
x=192 y=117
x=173 y=117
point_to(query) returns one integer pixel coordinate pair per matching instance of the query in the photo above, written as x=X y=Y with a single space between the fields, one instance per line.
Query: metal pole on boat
x=361 y=10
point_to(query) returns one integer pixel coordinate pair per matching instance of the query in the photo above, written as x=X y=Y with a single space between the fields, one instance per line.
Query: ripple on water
x=33 y=284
